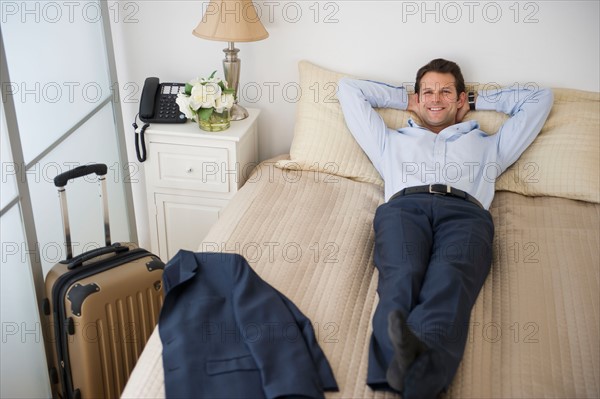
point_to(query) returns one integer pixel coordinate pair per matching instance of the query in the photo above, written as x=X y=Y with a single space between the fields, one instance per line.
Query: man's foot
x=406 y=349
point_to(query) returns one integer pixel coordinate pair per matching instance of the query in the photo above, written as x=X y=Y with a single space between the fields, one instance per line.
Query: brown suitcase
x=101 y=308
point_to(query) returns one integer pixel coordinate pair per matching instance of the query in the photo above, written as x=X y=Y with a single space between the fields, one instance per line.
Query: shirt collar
x=463 y=127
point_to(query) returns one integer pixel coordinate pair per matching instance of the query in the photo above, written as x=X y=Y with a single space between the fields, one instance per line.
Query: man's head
x=441 y=65
x=440 y=90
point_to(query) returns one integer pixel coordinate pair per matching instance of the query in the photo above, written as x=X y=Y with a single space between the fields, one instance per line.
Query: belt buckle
x=435 y=190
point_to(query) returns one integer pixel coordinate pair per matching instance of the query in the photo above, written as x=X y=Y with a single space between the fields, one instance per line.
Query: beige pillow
x=564 y=160
x=322 y=142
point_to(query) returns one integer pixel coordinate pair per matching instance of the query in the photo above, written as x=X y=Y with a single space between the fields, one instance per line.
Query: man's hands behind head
x=462 y=111
x=413 y=104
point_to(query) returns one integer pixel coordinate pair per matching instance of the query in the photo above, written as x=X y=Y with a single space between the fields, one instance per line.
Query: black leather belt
x=441 y=189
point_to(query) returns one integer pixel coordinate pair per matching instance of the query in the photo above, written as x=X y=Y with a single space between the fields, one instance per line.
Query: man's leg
x=460 y=261
x=403 y=239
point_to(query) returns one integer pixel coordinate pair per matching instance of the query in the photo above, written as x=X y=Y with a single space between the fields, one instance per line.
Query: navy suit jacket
x=226 y=333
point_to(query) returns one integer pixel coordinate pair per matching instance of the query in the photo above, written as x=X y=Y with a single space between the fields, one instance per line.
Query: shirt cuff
x=486 y=100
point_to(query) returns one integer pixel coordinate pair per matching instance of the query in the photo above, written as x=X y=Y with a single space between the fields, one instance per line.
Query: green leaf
x=230 y=91
x=212 y=74
x=188 y=89
x=205 y=113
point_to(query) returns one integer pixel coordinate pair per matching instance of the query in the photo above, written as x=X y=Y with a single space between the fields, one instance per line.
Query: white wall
x=550 y=43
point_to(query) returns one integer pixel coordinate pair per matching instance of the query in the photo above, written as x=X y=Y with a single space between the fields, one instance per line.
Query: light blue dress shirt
x=461 y=155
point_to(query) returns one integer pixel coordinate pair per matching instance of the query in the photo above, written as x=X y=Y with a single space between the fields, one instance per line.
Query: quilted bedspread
x=535 y=329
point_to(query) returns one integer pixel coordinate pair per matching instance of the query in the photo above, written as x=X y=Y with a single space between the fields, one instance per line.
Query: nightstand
x=191 y=175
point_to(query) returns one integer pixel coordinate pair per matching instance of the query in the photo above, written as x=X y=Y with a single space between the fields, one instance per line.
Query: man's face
x=438 y=101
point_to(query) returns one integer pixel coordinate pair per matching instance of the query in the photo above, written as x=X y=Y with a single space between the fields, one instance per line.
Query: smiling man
x=434 y=233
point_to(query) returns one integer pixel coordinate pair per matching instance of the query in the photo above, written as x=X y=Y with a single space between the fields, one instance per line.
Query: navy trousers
x=433 y=254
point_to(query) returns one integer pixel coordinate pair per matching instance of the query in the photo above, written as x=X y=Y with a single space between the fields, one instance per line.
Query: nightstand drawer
x=191 y=168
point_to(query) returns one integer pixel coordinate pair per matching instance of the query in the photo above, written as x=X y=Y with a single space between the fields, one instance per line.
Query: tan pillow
x=563 y=161
x=322 y=142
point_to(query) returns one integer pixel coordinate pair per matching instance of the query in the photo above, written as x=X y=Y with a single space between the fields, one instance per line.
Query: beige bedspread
x=534 y=329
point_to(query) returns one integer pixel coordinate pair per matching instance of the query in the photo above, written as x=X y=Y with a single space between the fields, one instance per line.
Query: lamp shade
x=231 y=21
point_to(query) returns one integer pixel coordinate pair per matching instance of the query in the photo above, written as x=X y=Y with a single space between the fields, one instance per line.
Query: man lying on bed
x=433 y=236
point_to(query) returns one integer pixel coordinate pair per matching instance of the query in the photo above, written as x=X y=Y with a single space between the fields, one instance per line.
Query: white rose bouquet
x=203 y=97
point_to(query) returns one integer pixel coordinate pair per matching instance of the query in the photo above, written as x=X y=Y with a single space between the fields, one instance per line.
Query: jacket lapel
x=180 y=269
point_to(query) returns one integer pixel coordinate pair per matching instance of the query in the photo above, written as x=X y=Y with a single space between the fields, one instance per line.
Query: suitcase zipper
x=59 y=291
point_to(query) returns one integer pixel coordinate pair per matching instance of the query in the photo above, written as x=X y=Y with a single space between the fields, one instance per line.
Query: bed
x=304 y=223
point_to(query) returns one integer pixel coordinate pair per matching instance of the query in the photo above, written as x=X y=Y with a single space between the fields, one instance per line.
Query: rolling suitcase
x=101 y=308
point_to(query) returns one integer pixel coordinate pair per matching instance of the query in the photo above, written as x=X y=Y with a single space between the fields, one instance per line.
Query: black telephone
x=157 y=104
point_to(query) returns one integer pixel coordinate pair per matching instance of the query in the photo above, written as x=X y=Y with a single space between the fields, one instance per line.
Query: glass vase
x=216 y=122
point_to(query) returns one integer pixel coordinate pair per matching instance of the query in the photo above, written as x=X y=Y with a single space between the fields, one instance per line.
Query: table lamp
x=231 y=21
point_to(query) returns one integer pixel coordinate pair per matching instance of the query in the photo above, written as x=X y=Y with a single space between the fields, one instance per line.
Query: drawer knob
x=189 y=170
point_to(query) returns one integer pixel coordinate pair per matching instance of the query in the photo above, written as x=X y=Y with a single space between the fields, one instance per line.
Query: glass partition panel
x=24 y=373
x=8 y=187
x=57 y=66
x=93 y=142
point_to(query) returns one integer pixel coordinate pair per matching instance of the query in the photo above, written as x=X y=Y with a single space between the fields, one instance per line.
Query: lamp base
x=231 y=67
x=238 y=112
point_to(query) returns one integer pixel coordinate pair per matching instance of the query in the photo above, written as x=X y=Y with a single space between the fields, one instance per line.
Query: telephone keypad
x=168 y=108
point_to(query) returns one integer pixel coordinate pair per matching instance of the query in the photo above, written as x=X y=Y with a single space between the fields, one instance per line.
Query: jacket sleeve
x=307 y=332
x=274 y=338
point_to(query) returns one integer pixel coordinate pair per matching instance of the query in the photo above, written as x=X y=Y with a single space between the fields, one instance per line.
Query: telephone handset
x=158 y=105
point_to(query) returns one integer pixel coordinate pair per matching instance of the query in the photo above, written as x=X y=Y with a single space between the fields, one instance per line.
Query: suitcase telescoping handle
x=61 y=180
x=98 y=168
